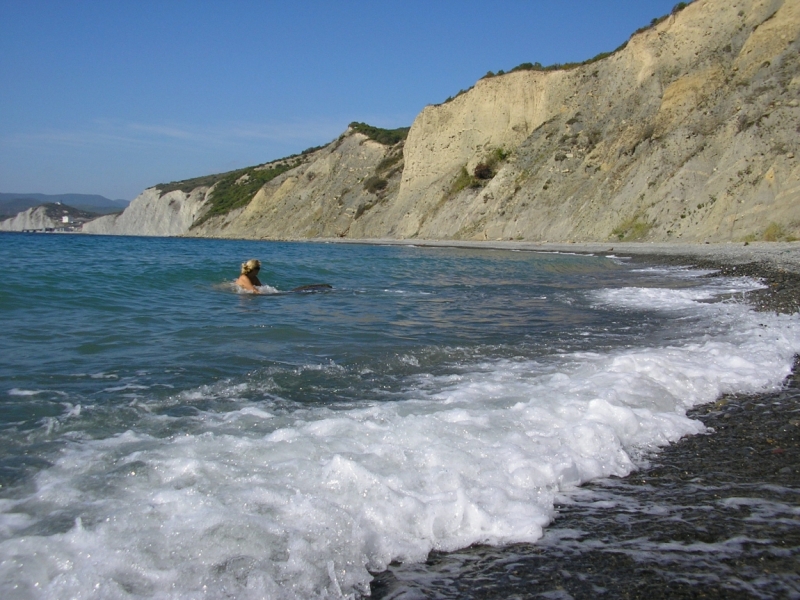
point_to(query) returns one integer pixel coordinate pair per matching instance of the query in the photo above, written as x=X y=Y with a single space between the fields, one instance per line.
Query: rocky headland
x=48 y=217
x=688 y=132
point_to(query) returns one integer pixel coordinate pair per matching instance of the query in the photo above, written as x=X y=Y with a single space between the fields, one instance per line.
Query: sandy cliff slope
x=690 y=132
x=326 y=196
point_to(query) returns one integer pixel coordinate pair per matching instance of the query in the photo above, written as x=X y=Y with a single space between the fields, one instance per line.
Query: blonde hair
x=250 y=265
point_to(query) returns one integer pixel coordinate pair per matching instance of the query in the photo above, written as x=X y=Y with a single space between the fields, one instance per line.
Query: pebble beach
x=713 y=516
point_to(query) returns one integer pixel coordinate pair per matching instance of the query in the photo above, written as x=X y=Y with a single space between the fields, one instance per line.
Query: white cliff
x=153 y=214
x=35 y=218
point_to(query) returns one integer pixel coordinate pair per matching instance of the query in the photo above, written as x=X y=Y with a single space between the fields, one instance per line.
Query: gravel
x=713 y=516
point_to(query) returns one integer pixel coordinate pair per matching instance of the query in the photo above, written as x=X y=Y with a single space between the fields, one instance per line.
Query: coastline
x=774 y=255
x=713 y=515
x=777 y=264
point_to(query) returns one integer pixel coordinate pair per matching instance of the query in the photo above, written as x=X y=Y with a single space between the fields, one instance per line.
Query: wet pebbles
x=713 y=516
x=782 y=292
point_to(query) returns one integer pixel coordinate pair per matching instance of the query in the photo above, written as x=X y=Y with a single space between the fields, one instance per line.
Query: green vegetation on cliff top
x=236 y=189
x=387 y=137
x=536 y=66
x=187 y=185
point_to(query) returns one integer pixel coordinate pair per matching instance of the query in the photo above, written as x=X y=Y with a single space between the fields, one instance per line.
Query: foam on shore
x=303 y=503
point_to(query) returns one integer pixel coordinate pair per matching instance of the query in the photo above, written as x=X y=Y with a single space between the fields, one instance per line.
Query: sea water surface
x=164 y=436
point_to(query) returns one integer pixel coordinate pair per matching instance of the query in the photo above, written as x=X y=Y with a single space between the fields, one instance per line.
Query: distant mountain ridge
x=12 y=204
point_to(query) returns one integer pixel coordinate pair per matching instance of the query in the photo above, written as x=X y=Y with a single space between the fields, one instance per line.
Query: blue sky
x=110 y=97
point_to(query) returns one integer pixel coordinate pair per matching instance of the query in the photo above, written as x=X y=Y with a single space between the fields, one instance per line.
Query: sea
x=165 y=435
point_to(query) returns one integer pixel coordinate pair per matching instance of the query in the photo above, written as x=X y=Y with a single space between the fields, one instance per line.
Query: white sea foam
x=127 y=386
x=307 y=509
x=231 y=286
x=104 y=376
x=669 y=299
x=679 y=272
x=266 y=289
x=20 y=392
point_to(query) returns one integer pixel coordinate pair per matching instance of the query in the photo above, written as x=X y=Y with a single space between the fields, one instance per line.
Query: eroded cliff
x=689 y=132
x=326 y=196
x=49 y=216
x=154 y=213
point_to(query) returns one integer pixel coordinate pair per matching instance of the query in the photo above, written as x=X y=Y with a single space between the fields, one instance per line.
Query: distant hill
x=12 y=204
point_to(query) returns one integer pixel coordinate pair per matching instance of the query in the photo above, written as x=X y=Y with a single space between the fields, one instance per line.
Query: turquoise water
x=164 y=435
x=79 y=311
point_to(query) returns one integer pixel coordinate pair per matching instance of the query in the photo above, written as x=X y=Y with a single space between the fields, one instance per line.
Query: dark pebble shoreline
x=712 y=516
x=782 y=294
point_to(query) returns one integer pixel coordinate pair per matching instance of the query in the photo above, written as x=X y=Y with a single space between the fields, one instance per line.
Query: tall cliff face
x=690 y=132
x=152 y=213
x=326 y=196
x=35 y=218
x=47 y=216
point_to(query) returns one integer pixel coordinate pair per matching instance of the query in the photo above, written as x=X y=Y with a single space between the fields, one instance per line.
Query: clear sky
x=110 y=97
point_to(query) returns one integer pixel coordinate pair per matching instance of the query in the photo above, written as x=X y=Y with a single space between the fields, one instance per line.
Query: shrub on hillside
x=387 y=137
x=632 y=229
x=776 y=233
x=679 y=7
x=237 y=188
x=375 y=184
x=483 y=171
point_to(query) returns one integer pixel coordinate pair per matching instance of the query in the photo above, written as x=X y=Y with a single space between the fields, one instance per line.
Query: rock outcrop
x=152 y=213
x=689 y=132
x=35 y=218
x=324 y=197
x=50 y=216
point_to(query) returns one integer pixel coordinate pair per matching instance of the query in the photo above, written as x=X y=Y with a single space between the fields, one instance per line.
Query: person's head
x=251 y=266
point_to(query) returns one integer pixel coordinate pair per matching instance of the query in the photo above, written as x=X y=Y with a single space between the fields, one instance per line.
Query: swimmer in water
x=248 y=280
